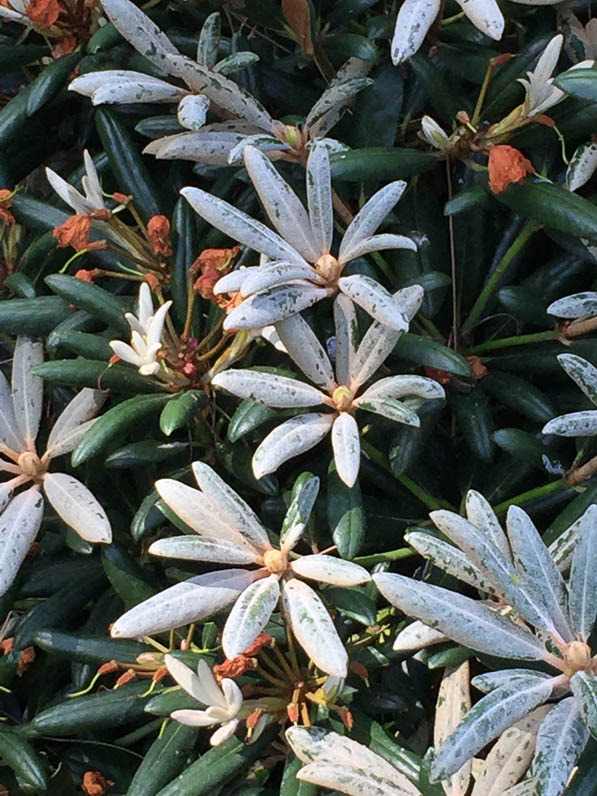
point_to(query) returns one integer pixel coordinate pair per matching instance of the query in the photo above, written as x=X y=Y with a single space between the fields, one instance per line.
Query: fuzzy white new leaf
x=79 y=509
x=27 y=389
x=453 y=702
x=485 y=16
x=298 y=514
x=250 y=615
x=466 y=621
x=579 y=305
x=327 y=569
x=301 y=343
x=575 y=424
x=560 y=741
x=83 y=407
x=388 y=407
x=209 y=41
x=482 y=516
x=412 y=25
x=347 y=448
x=192 y=111
x=295 y=436
x=581 y=168
x=416 y=636
x=184 y=603
x=532 y=558
x=493 y=714
x=140 y=31
x=583 y=577
x=337 y=92
x=233 y=281
x=9 y=432
x=270 y=306
x=319 y=198
x=313 y=628
x=346 y=325
x=370 y=216
x=217 y=551
x=489 y=681
x=208 y=146
x=584 y=688
x=262 y=141
x=396 y=387
x=19 y=524
x=450 y=559
x=582 y=373
x=375 y=243
x=375 y=300
x=274 y=274
x=269 y=389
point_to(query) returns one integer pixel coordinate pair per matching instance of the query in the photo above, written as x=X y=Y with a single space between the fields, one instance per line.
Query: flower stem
x=523 y=236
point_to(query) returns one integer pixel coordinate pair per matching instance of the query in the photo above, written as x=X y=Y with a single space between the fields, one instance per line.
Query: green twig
x=532 y=494
x=507 y=342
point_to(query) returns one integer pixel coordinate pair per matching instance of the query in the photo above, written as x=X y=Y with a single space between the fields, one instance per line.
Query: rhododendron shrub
x=298 y=476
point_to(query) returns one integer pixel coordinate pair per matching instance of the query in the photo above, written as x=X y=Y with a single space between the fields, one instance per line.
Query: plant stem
x=378 y=558
x=507 y=342
x=532 y=494
x=523 y=236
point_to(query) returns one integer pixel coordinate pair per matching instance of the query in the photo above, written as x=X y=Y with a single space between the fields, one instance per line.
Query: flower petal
x=27 y=389
x=375 y=300
x=202 y=686
x=347 y=448
x=305 y=349
x=79 y=509
x=269 y=389
x=68 y=194
x=249 y=615
x=295 y=436
x=327 y=569
x=224 y=732
x=19 y=524
x=184 y=603
x=193 y=718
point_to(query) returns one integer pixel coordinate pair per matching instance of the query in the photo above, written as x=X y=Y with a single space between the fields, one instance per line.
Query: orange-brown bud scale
x=507 y=165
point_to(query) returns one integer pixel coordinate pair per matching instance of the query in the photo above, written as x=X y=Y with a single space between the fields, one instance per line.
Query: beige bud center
x=31 y=465
x=328 y=267
x=577 y=655
x=342 y=398
x=275 y=561
x=292 y=136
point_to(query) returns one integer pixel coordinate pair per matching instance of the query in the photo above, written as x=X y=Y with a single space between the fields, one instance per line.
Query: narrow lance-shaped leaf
x=347 y=330
x=85 y=405
x=270 y=306
x=489 y=681
x=192 y=548
x=140 y=31
x=268 y=388
x=337 y=92
x=561 y=739
x=377 y=243
x=416 y=636
x=485 y=15
x=449 y=558
x=582 y=373
x=577 y=306
x=305 y=349
x=250 y=615
x=9 y=432
x=297 y=435
x=584 y=688
x=375 y=300
x=328 y=569
x=412 y=25
x=79 y=509
x=19 y=524
x=347 y=448
x=453 y=702
x=574 y=424
x=462 y=619
x=298 y=514
x=274 y=274
x=319 y=197
x=209 y=40
x=27 y=389
x=489 y=717
x=480 y=513
x=370 y=216
x=583 y=576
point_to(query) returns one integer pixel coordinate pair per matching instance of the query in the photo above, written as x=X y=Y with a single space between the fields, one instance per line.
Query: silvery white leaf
x=271 y=306
x=397 y=387
x=313 y=628
x=19 y=524
x=269 y=389
x=298 y=514
x=489 y=681
x=562 y=548
x=209 y=41
x=584 y=688
x=281 y=204
x=417 y=636
x=354 y=67
x=27 y=389
x=240 y=226
x=70 y=439
x=375 y=300
x=372 y=773
x=14 y=16
x=482 y=516
x=327 y=569
x=337 y=92
x=578 y=305
x=279 y=273
x=583 y=576
x=6 y=492
x=466 y=621
x=510 y=756
x=532 y=558
x=304 y=348
x=582 y=166
x=449 y=558
x=347 y=448
x=9 y=432
x=249 y=615
x=199 y=512
x=137 y=91
x=192 y=111
x=370 y=216
x=84 y=406
x=347 y=331
x=184 y=603
x=485 y=16
x=235 y=62
x=319 y=197
x=412 y=25
x=377 y=243
x=582 y=373
x=409 y=300
x=232 y=282
x=377 y=344
x=261 y=141
x=91 y=82
x=191 y=548
x=232 y=506
x=490 y=716
x=79 y=509
x=560 y=741
x=207 y=147
x=220 y=90
x=517 y=589
x=388 y=407
x=453 y=702
x=140 y=31
x=574 y=424
x=294 y=436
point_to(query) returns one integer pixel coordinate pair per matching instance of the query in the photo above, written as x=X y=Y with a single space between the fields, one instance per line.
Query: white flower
x=434 y=134
x=335 y=762
x=92 y=200
x=541 y=93
x=416 y=17
x=20 y=413
x=146 y=334
x=230 y=533
x=222 y=703
x=303 y=270
x=354 y=366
